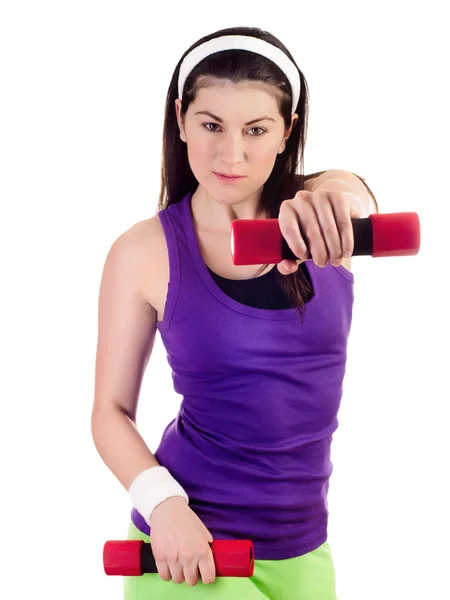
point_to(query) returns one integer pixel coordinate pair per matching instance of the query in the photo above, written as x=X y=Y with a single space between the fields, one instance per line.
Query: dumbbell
x=232 y=558
x=260 y=241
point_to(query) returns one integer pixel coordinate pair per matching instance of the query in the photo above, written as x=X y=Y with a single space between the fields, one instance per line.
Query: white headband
x=241 y=42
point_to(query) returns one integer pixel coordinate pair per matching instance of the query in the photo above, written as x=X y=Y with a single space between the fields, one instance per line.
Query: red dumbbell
x=232 y=558
x=260 y=241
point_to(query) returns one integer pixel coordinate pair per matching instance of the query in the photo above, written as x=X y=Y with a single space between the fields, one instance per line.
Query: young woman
x=258 y=353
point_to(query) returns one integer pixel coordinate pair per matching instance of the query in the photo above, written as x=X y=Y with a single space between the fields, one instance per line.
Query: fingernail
x=347 y=254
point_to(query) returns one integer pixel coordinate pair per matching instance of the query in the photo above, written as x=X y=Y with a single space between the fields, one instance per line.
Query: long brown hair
x=284 y=182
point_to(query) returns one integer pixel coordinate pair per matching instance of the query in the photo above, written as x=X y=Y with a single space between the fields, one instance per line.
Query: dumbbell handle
x=260 y=241
x=232 y=558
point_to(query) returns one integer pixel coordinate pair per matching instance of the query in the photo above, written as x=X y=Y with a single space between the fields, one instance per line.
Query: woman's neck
x=213 y=216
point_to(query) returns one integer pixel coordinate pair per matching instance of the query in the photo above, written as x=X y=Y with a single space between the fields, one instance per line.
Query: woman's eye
x=215 y=130
x=213 y=124
x=260 y=129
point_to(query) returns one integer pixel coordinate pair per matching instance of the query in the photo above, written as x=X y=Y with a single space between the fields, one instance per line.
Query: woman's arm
x=356 y=184
x=126 y=335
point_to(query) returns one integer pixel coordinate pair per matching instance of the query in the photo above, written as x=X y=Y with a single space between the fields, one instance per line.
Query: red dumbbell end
x=233 y=558
x=395 y=234
x=122 y=557
x=256 y=241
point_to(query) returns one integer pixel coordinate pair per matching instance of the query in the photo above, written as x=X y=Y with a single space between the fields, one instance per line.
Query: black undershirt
x=260 y=292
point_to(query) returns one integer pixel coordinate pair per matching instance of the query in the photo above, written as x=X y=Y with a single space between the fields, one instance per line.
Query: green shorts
x=307 y=577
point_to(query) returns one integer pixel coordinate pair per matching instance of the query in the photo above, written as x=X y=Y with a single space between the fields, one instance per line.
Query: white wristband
x=151 y=487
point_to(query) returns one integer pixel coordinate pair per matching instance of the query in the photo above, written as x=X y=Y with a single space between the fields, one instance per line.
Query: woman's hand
x=325 y=219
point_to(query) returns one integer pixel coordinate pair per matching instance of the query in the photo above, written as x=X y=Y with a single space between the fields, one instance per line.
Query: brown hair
x=284 y=182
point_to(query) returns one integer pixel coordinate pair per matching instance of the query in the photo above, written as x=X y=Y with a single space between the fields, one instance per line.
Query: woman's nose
x=232 y=148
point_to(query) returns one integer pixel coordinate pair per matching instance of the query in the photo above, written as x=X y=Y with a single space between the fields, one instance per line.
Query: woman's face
x=230 y=142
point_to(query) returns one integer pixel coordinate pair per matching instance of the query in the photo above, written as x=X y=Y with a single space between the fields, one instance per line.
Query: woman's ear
x=179 y=119
x=288 y=133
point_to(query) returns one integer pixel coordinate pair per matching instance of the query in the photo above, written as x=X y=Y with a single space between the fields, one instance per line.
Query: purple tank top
x=260 y=392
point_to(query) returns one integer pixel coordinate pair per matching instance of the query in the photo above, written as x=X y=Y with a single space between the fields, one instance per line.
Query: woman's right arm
x=126 y=335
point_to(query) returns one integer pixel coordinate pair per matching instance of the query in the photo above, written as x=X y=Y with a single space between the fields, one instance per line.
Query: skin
x=134 y=287
x=233 y=147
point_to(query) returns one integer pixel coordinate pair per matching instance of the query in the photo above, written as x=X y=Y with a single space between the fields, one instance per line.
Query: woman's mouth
x=228 y=178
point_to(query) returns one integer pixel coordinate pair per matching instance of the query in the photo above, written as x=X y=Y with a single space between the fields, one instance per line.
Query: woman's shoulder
x=141 y=255
x=142 y=245
x=145 y=235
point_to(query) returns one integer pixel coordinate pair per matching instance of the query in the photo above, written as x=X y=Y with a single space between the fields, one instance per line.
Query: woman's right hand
x=180 y=543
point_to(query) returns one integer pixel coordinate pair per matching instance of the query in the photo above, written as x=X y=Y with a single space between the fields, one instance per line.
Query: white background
x=83 y=86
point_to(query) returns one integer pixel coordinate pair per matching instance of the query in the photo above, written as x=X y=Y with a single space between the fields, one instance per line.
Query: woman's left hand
x=325 y=219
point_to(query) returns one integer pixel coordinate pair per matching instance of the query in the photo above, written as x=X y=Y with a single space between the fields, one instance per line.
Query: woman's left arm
x=324 y=210
x=342 y=181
